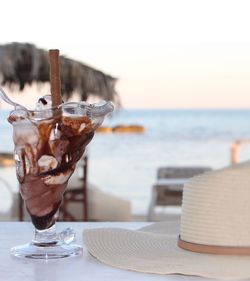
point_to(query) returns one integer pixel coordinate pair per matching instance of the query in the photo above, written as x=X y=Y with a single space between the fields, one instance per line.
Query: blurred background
x=177 y=71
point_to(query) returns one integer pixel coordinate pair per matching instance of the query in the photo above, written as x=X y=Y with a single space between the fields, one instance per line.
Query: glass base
x=52 y=251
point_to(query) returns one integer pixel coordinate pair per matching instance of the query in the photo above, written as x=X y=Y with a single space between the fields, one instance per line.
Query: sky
x=166 y=54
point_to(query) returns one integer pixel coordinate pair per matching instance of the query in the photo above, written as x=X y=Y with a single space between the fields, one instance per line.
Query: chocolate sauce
x=47 y=164
x=46 y=221
x=43 y=101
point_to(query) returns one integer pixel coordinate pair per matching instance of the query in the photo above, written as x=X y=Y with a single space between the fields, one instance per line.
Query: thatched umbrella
x=24 y=63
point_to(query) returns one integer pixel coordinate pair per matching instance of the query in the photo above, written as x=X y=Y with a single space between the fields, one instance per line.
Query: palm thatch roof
x=24 y=63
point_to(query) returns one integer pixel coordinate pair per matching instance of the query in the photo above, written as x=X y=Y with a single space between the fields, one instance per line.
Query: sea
x=125 y=164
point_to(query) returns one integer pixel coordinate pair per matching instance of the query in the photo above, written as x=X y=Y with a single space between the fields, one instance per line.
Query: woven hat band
x=216 y=250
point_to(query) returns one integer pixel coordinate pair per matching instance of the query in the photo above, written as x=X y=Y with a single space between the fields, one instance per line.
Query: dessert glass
x=48 y=144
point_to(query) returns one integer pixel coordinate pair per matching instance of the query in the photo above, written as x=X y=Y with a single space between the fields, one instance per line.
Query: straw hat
x=212 y=240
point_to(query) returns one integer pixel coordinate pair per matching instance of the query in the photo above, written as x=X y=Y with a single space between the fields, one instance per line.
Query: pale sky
x=166 y=54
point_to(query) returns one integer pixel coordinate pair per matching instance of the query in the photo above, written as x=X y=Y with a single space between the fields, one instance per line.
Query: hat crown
x=216 y=208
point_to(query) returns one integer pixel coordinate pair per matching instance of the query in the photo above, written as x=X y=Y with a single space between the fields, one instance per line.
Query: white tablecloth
x=69 y=269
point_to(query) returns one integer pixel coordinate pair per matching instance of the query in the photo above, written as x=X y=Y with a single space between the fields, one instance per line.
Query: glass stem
x=45 y=237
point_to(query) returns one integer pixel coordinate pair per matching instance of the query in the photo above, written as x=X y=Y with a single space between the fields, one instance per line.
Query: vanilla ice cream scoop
x=47 y=163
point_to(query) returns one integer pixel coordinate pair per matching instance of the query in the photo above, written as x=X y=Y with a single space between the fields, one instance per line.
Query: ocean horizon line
x=183 y=109
x=166 y=109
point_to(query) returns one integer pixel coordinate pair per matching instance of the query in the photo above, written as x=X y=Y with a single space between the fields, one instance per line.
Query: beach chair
x=85 y=201
x=167 y=191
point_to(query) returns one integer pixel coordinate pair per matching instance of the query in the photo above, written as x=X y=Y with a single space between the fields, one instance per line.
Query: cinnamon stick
x=55 y=81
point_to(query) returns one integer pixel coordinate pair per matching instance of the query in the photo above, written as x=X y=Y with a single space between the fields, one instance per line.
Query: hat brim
x=154 y=249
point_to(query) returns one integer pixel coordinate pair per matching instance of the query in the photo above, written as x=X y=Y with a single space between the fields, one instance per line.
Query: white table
x=82 y=268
